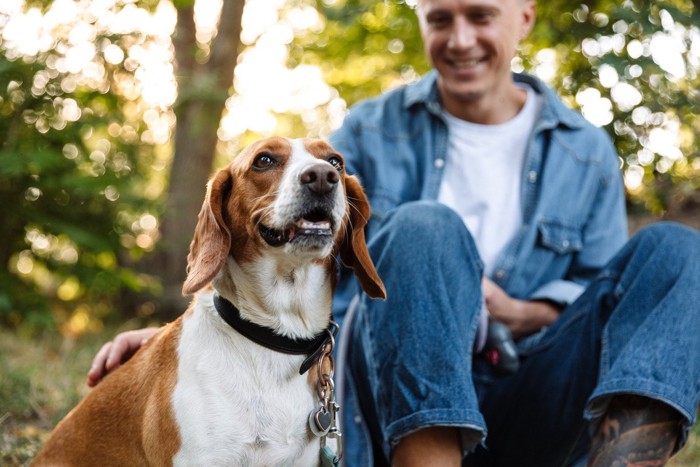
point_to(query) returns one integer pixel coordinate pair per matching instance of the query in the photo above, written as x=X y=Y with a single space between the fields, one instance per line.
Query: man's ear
x=211 y=243
x=353 y=251
x=529 y=13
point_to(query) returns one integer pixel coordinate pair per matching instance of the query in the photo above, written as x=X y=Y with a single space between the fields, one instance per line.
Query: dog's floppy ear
x=353 y=251
x=212 y=240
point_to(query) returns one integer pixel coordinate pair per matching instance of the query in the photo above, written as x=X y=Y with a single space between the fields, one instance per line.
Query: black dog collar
x=268 y=338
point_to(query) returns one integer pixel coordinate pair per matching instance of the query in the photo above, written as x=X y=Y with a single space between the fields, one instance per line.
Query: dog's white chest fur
x=236 y=403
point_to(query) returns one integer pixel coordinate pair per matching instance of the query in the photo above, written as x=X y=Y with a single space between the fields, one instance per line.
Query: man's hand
x=116 y=352
x=522 y=317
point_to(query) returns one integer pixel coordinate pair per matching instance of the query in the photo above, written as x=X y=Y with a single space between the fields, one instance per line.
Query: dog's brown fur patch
x=101 y=429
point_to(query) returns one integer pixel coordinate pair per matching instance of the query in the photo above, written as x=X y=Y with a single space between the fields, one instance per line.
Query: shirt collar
x=554 y=112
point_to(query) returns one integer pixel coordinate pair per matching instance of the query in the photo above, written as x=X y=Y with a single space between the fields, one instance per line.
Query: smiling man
x=471 y=45
x=486 y=189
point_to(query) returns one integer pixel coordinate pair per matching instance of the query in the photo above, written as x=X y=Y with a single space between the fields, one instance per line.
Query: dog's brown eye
x=335 y=162
x=264 y=161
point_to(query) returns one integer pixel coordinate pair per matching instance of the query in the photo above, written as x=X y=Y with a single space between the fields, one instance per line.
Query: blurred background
x=113 y=114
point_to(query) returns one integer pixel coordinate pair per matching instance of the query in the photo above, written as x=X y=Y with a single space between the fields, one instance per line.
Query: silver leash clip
x=334 y=431
x=323 y=421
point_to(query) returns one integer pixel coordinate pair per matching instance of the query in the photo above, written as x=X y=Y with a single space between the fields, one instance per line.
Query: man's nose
x=462 y=35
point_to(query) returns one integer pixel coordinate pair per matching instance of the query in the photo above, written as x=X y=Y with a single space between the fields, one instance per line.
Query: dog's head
x=283 y=197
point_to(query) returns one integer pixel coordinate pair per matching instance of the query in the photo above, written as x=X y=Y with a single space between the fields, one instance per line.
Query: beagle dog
x=203 y=390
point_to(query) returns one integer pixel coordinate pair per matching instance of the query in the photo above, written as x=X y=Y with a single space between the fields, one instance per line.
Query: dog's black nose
x=320 y=178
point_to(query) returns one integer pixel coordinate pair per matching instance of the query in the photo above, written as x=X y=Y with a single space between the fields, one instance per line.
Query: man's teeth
x=466 y=63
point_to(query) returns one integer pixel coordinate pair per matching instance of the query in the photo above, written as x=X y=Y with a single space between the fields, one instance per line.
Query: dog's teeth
x=314 y=225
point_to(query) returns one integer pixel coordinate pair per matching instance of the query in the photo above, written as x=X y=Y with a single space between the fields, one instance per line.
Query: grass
x=42 y=379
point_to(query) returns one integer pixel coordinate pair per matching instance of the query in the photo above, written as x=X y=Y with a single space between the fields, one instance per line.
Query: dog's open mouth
x=315 y=223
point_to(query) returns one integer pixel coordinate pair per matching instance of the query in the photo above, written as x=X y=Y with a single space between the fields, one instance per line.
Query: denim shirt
x=572 y=196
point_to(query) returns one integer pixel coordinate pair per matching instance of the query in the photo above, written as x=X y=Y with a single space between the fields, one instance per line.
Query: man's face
x=471 y=44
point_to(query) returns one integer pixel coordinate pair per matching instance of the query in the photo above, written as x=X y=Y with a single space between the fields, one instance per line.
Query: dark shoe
x=636 y=431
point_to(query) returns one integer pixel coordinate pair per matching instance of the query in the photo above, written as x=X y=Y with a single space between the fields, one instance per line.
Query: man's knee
x=670 y=232
x=424 y=218
x=423 y=224
x=676 y=242
x=423 y=231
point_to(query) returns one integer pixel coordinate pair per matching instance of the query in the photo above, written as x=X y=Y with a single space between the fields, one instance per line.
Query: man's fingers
x=121 y=348
x=97 y=369
x=108 y=358
x=116 y=352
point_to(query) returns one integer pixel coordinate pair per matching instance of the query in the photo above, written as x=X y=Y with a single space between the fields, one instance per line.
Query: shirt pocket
x=559 y=237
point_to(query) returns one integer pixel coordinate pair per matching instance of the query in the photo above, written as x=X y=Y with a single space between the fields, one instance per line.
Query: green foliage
x=365 y=48
x=591 y=40
x=72 y=171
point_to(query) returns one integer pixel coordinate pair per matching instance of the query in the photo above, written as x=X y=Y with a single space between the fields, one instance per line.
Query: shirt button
x=500 y=274
x=532 y=176
x=565 y=244
x=439 y=163
x=358 y=419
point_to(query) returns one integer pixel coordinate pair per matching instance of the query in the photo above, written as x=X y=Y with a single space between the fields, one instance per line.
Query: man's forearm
x=434 y=446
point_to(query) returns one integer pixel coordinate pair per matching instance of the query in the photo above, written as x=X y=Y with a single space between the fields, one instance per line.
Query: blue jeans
x=635 y=330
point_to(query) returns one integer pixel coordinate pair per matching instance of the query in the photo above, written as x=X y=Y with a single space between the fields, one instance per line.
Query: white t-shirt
x=483 y=175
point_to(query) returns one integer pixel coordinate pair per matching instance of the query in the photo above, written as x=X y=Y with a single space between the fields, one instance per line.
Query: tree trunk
x=202 y=92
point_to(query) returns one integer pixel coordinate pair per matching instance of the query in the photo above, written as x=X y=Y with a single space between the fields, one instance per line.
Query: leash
x=323 y=421
x=266 y=337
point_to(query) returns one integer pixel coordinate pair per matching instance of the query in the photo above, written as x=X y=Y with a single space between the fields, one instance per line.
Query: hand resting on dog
x=114 y=353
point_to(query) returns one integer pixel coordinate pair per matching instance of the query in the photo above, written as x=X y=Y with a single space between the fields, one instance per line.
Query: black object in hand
x=500 y=348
